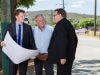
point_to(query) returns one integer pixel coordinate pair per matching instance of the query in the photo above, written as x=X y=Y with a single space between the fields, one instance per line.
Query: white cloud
x=78 y=4
x=92 y=1
x=41 y=0
x=98 y=1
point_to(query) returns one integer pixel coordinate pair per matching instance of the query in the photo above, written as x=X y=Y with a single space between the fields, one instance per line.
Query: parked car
x=81 y=31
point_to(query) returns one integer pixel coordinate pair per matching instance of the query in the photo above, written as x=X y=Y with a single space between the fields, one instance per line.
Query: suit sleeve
x=73 y=40
x=32 y=41
x=61 y=41
x=73 y=43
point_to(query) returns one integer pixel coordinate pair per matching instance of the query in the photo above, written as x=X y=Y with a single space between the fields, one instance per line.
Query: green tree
x=25 y=3
x=17 y=3
x=98 y=23
x=0 y=9
x=85 y=22
x=74 y=22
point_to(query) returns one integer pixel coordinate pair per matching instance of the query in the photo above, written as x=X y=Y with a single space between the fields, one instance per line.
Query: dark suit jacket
x=28 y=40
x=63 y=43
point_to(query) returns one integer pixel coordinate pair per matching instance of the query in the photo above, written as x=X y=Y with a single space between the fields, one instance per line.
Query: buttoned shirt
x=42 y=38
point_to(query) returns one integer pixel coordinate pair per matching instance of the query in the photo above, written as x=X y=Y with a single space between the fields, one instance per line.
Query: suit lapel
x=14 y=28
x=24 y=32
x=13 y=31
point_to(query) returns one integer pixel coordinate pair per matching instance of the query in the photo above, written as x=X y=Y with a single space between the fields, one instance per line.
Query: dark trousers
x=39 y=64
x=64 y=69
x=22 y=67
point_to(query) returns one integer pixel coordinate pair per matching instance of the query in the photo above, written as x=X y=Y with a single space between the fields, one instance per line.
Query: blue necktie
x=19 y=35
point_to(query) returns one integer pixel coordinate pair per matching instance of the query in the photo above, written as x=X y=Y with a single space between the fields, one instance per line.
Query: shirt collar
x=19 y=23
x=43 y=28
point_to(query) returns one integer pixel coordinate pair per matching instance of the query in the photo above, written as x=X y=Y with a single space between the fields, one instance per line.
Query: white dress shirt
x=42 y=38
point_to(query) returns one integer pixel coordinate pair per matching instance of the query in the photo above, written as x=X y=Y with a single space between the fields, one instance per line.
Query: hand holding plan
x=17 y=53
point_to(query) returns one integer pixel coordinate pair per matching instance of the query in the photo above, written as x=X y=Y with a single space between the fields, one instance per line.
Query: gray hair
x=39 y=15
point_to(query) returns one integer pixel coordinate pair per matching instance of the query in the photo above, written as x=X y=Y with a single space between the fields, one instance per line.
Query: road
x=87 y=57
x=88 y=49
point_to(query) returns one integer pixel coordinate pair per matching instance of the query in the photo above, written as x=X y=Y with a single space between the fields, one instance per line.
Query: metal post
x=63 y=4
x=95 y=10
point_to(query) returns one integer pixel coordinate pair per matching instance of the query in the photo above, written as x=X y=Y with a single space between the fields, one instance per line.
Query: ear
x=16 y=17
x=60 y=15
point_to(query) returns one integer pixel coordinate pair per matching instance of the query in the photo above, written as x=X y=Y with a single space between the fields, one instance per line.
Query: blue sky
x=76 y=6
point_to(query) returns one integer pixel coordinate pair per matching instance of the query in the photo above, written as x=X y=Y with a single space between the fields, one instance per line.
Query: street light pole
x=95 y=11
x=63 y=4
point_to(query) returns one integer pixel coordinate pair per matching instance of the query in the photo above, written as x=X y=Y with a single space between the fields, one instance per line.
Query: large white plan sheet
x=15 y=52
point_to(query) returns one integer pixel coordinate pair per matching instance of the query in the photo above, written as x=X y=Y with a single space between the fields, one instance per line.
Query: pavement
x=88 y=48
x=87 y=60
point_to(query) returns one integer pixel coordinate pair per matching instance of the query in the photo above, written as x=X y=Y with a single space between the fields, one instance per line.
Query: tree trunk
x=13 y=8
x=5 y=20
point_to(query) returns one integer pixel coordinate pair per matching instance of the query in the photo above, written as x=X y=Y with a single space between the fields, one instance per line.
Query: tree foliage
x=74 y=22
x=0 y=3
x=17 y=3
x=86 y=22
x=25 y=3
x=98 y=23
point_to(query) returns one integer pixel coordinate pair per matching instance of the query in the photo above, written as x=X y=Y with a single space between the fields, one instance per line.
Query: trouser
x=64 y=69
x=39 y=64
x=22 y=67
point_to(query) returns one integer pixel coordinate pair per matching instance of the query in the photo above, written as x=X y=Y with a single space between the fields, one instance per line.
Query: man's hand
x=3 y=44
x=43 y=56
x=62 y=61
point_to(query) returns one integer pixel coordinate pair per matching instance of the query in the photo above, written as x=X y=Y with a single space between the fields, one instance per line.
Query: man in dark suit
x=22 y=35
x=63 y=44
